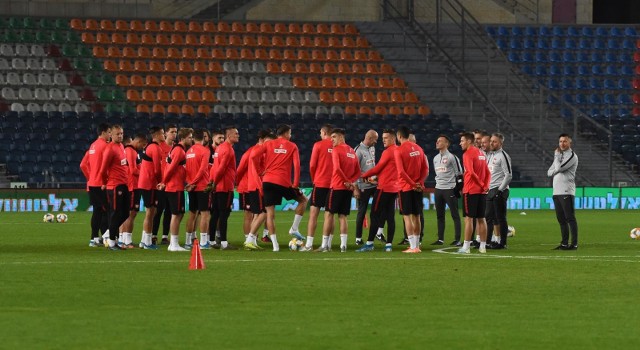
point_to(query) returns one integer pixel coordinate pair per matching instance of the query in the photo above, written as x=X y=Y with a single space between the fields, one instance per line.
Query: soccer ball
x=635 y=233
x=512 y=231
x=295 y=244
x=48 y=217
x=61 y=218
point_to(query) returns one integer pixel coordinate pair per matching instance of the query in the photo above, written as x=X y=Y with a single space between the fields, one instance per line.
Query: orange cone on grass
x=196 y=262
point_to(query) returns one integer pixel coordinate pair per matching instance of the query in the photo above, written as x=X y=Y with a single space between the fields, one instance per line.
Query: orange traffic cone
x=196 y=262
x=365 y=223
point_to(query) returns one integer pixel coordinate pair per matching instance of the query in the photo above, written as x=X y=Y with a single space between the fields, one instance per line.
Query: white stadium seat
x=17 y=107
x=71 y=95
x=44 y=79
x=37 y=51
x=34 y=107
x=41 y=94
x=55 y=94
x=49 y=107
x=8 y=93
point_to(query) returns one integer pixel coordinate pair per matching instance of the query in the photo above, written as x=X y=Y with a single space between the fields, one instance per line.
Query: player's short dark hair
x=103 y=127
x=154 y=130
x=404 y=131
x=467 y=135
x=198 y=134
x=217 y=132
x=338 y=131
x=564 y=135
x=482 y=132
x=445 y=137
x=229 y=128
x=283 y=129
x=184 y=132
x=262 y=134
x=171 y=126
x=327 y=128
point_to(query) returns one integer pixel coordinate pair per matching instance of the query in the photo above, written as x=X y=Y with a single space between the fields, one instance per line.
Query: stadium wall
x=587 y=198
x=316 y=10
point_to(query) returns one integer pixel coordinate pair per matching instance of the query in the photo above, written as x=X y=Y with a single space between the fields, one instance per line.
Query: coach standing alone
x=563 y=172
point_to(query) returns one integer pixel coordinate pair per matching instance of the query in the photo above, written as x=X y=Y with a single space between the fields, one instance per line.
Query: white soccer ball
x=512 y=231
x=61 y=218
x=48 y=217
x=295 y=244
x=635 y=233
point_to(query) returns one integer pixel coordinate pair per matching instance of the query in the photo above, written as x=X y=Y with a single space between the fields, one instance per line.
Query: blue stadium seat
x=513 y=57
x=624 y=99
x=503 y=31
x=596 y=57
x=544 y=31
x=543 y=44
x=530 y=31
x=557 y=44
x=558 y=31
x=587 y=31
x=626 y=71
x=570 y=44
x=582 y=57
x=568 y=98
x=595 y=84
x=568 y=71
x=611 y=57
x=624 y=84
x=610 y=99
x=527 y=57
x=553 y=84
x=529 y=44
x=584 y=44
x=568 y=57
x=573 y=31
x=541 y=57
x=612 y=70
x=492 y=31
x=541 y=71
x=515 y=44
x=616 y=32
x=599 y=44
x=609 y=84
x=594 y=99
x=516 y=31
x=566 y=113
x=527 y=70
x=567 y=84
x=502 y=44
x=625 y=58
x=555 y=56
x=602 y=32
x=630 y=31
x=628 y=44
x=552 y=100
x=555 y=70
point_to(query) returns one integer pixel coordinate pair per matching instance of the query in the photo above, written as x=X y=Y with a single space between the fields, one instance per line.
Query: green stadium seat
x=107 y=80
x=69 y=50
x=84 y=51
x=105 y=95
x=95 y=65
x=128 y=109
x=57 y=37
x=60 y=23
x=79 y=64
x=15 y=23
x=93 y=80
x=45 y=23
x=28 y=23
x=9 y=37
x=3 y=23
x=26 y=37
x=118 y=95
x=42 y=37
x=113 y=108
x=72 y=37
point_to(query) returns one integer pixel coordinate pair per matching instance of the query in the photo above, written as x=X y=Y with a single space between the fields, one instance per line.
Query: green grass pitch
x=57 y=293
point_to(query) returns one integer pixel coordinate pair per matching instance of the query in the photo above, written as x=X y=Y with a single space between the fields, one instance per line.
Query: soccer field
x=57 y=293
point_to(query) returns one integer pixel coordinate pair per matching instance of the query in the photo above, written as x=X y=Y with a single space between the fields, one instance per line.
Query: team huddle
x=160 y=167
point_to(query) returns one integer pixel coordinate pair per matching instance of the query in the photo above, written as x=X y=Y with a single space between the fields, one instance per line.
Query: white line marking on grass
x=608 y=258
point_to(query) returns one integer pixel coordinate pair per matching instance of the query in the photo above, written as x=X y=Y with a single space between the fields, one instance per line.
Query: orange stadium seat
x=156 y=67
x=182 y=81
x=180 y=26
x=209 y=27
x=381 y=110
x=122 y=80
x=384 y=83
x=247 y=54
x=196 y=81
x=194 y=96
x=382 y=97
x=110 y=66
x=208 y=96
x=76 y=24
x=144 y=52
x=309 y=29
x=350 y=29
x=148 y=39
x=223 y=27
x=344 y=68
x=232 y=54
x=354 y=97
x=140 y=66
x=277 y=41
x=360 y=55
x=350 y=110
x=329 y=68
x=195 y=27
x=294 y=29
x=424 y=110
x=339 y=97
x=261 y=54
x=185 y=67
x=320 y=42
x=178 y=96
x=263 y=41
x=356 y=83
x=212 y=81
x=206 y=40
x=332 y=55
x=204 y=109
x=374 y=56
x=192 y=40
x=125 y=66
x=162 y=39
x=313 y=82
x=252 y=27
x=122 y=26
x=91 y=24
x=273 y=68
x=220 y=40
x=302 y=68
x=99 y=52
x=365 y=110
x=215 y=67
x=358 y=68
x=398 y=83
x=158 y=109
x=200 y=67
x=237 y=27
x=132 y=39
x=315 y=68
x=280 y=28
x=289 y=55
x=88 y=38
x=133 y=95
x=136 y=26
x=203 y=53
x=165 y=26
x=177 y=39
x=328 y=83
x=163 y=96
x=345 y=55
x=118 y=39
x=148 y=96
x=386 y=68
x=103 y=38
x=334 y=42
x=303 y=55
x=348 y=43
x=249 y=40
x=362 y=42
x=372 y=68
x=188 y=53
x=306 y=42
x=187 y=109
x=322 y=28
x=292 y=41
x=397 y=97
x=218 y=54
x=235 y=40
x=408 y=110
x=342 y=83
x=299 y=82
x=106 y=24
x=142 y=109
x=136 y=81
x=287 y=68
x=410 y=97
x=173 y=109
x=325 y=97
x=395 y=110
x=152 y=81
x=114 y=52
x=370 y=83
x=266 y=28
x=337 y=29
x=170 y=66
x=167 y=81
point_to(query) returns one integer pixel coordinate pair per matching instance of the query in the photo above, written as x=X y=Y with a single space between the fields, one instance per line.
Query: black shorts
x=319 y=196
x=474 y=205
x=410 y=202
x=256 y=203
x=339 y=202
x=135 y=199
x=243 y=199
x=119 y=199
x=222 y=201
x=274 y=193
x=98 y=198
x=198 y=201
x=150 y=198
x=176 y=202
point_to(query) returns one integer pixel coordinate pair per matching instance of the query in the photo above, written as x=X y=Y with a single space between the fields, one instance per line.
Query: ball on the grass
x=62 y=218
x=295 y=244
x=512 y=231
x=48 y=217
x=635 y=233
